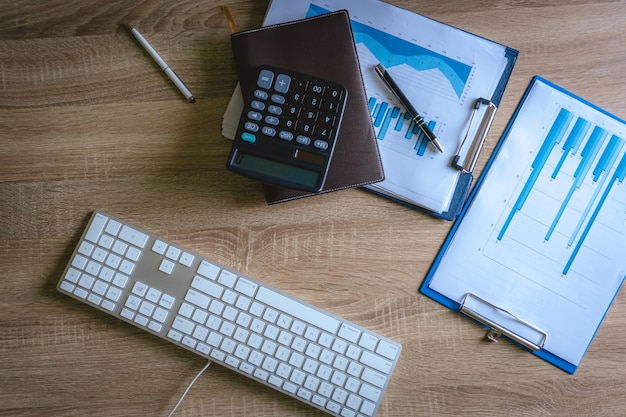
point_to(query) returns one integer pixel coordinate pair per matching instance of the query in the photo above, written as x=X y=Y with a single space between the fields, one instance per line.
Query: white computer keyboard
x=241 y=323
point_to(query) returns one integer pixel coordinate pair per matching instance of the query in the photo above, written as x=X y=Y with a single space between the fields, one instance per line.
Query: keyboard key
x=159 y=247
x=133 y=236
x=173 y=253
x=85 y=248
x=139 y=289
x=167 y=301
x=120 y=280
x=66 y=286
x=186 y=259
x=376 y=362
x=388 y=350
x=80 y=262
x=369 y=392
x=368 y=341
x=227 y=278
x=209 y=270
x=166 y=266
x=183 y=325
x=377 y=379
x=81 y=293
x=197 y=298
x=86 y=281
x=154 y=326
x=350 y=333
x=153 y=295
x=95 y=228
x=301 y=311
x=207 y=287
x=113 y=227
x=72 y=275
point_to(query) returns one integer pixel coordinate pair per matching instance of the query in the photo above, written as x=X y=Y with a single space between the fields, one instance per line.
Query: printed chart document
x=441 y=69
x=544 y=235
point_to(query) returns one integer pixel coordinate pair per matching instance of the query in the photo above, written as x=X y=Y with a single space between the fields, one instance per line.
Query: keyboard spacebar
x=296 y=309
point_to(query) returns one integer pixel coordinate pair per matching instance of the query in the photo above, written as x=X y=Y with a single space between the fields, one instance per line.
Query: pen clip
x=483 y=113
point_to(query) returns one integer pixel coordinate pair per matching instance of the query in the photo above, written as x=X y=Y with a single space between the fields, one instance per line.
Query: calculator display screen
x=276 y=169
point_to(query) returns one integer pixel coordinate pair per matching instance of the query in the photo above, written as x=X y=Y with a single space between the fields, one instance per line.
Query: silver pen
x=168 y=71
x=395 y=90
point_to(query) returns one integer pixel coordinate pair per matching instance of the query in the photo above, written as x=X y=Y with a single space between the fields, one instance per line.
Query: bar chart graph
x=575 y=171
x=392 y=120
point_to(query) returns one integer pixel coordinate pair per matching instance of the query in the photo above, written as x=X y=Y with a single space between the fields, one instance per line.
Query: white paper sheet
x=545 y=236
x=442 y=70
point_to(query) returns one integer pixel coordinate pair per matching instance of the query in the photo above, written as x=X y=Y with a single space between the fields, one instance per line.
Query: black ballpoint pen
x=395 y=90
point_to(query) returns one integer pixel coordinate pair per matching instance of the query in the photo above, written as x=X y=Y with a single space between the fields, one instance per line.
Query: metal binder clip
x=502 y=322
x=469 y=151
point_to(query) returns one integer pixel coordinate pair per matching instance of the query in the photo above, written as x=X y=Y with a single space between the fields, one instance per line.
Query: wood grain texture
x=88 y=122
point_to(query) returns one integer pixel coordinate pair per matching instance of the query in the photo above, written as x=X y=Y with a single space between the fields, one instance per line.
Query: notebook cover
x=321 y=46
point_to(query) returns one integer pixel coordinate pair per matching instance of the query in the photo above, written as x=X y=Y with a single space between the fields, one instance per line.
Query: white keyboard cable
x=193 y=381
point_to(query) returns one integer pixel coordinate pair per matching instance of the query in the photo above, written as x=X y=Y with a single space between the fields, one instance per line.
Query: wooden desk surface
x=87 y=121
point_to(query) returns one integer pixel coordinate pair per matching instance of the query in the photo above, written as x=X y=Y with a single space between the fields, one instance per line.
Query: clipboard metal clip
x=483 y=113
x=501 y=322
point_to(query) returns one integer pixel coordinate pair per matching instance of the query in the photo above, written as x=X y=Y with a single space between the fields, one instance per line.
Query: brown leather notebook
x=323 y=47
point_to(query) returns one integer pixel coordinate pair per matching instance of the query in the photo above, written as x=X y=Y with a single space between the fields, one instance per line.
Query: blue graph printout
x=441 y=69
x=545 y=235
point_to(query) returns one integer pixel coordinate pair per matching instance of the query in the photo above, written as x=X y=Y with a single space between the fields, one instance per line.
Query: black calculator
x=288 y=129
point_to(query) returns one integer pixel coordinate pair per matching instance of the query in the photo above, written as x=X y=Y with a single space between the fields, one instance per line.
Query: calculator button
x=324 y=132
x=248 y=137
x=290 y=124
x=278 y=99
x=334 y=94
x=254 y=115
x=282 y=83
x=277 y=110
x=320 y=144
x=285 y=135
x=316 y=88
x=329 y=106
x=293 y=110
x=310 y=115
x=252 y=127
x=303 y=140
x=265 y=79
x=257 y=105
x=260 y=94
x=268 y=131
x=326 y=119
x=272 y=120
x=306 y=128
x=299 y=85
x=313 y=102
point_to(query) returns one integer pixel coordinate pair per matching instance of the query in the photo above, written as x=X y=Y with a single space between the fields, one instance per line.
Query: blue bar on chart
x=591 y=144
x=587 y=157
x=383 y=116
x=572 y=144
x=619 y=175
x=600 y=174
x=554 y=137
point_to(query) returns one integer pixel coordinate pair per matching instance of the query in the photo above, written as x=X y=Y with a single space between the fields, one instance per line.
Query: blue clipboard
x=494 y=330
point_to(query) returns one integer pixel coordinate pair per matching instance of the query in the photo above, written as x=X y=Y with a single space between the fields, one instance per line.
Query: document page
x=442 y=70
x=545 y=235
